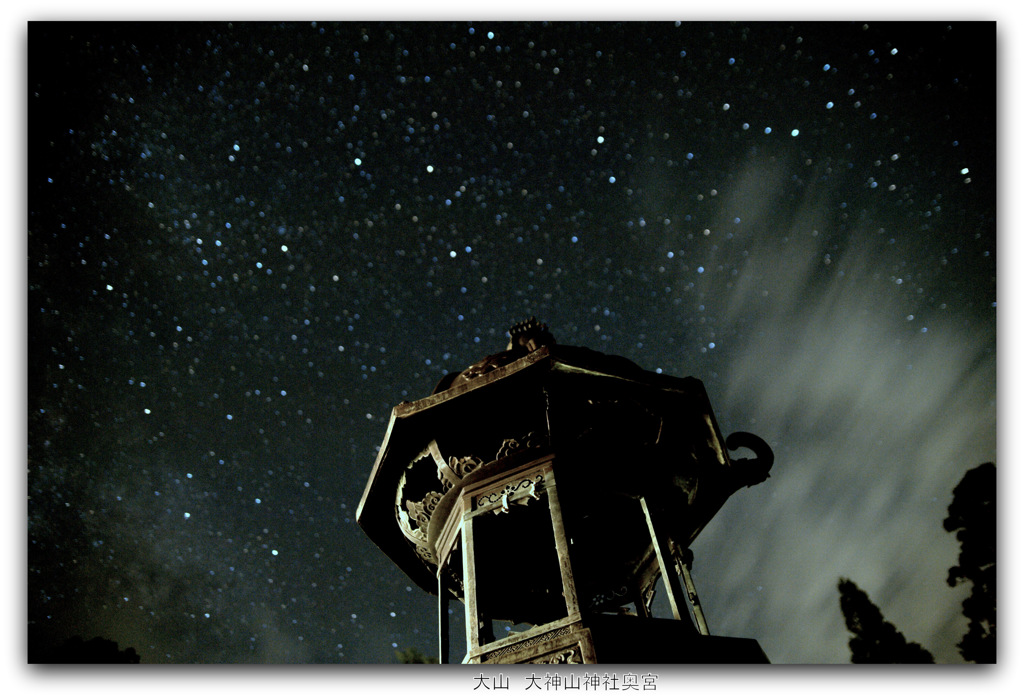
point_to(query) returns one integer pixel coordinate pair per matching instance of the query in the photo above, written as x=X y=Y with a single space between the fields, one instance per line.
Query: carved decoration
x=426 y=554
x=524 y=337
x=525 y=644
x=465 y=465
x=520 y=492
x=609 y=597
x=570 y=655
x=756 y=470
x=530 y=335
x=422 y=511
x=419 y=513
x=513 y=446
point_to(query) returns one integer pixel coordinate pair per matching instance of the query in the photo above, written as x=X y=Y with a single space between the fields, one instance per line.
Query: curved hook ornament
x=751 y=471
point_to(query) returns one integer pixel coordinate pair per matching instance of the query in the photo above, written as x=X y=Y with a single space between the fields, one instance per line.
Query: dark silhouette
x=96 y=651
x=972 y=518
x=875 y=640
x=414 y=656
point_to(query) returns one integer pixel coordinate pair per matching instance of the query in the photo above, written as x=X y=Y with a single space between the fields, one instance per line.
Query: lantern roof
x=535 y=387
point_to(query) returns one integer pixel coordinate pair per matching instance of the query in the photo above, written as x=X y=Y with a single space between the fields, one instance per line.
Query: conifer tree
x=875 y=640
x=972 y=518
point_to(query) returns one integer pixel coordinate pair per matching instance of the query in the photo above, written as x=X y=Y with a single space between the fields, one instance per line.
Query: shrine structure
x=549 y=488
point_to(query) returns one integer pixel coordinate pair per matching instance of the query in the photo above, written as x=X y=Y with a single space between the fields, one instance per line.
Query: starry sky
x=247 y=242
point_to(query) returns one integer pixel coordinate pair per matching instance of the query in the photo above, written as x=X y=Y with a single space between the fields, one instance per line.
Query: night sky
x=248 y=242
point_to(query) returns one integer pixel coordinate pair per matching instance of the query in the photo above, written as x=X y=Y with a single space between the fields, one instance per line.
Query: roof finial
x=530 y=334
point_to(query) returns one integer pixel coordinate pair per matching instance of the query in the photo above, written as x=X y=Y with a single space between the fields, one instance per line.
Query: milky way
x=248 y=242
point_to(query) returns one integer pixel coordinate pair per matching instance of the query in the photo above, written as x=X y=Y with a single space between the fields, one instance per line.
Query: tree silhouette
x=875 y=640
x=972 y=518
x=95 y=651
x=414 y=656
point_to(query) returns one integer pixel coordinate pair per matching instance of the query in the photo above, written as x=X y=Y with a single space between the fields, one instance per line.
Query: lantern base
x=608 y=639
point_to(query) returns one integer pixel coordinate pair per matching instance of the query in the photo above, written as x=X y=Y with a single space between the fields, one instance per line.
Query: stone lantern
x=549 y=488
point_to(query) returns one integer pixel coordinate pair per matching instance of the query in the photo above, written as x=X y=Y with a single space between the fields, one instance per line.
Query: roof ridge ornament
x=531 y=334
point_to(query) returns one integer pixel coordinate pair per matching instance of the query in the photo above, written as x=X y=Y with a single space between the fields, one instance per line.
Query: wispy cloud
x=874 y=412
